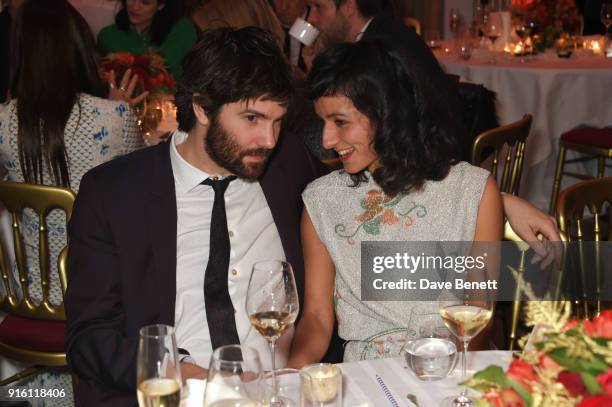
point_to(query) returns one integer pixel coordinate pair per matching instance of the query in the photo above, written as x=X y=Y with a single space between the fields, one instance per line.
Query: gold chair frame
x=412 y=22
x=41 y=199
x=592 y=153
x=592 y=195
x=513 y=136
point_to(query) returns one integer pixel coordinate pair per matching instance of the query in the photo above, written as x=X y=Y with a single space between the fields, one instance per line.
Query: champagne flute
x=465 y=313
x=158 y=372
x=234 y=378
x=272 y=304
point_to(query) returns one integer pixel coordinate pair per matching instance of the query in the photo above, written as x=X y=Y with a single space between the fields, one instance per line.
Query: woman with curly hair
x=401 y=181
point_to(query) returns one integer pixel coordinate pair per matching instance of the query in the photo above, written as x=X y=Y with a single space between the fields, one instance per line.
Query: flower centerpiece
x=570 y=363
x=549 y=19
x=150 y=68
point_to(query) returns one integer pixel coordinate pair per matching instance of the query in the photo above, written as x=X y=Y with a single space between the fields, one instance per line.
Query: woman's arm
x=315 y=328
x=489 y=229
x=489 y=222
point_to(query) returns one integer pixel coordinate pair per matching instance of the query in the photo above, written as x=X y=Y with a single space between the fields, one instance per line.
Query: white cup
x=304 y=32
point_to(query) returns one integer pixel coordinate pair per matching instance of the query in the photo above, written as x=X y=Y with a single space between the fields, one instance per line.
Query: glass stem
x=273 y=353
x=464 y=365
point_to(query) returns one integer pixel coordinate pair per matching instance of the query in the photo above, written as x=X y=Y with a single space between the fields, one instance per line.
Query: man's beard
x=223 y=149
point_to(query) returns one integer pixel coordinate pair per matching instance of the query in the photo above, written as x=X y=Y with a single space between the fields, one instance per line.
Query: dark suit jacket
x=122 y=260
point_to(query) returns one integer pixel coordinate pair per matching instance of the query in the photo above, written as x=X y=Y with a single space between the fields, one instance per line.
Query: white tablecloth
x=361 y=388
x=560 y=93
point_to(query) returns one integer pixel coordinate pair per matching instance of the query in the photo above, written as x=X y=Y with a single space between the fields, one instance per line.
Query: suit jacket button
x=234 y=272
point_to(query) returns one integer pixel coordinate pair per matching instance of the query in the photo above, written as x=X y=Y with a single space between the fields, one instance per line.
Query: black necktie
x=219 y=308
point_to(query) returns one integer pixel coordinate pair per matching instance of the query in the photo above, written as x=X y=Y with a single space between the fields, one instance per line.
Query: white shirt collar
x=363 y=29
x=186 y=176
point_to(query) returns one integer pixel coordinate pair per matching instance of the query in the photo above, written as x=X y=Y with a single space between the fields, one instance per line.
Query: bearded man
x=168 y=234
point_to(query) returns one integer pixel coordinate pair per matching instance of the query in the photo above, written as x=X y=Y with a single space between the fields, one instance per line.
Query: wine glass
x=286 y=385
x=158 y=375
x=454 y=21
x=430 y=351
x=606 y=16
x=234 y=378
x=272 y=304
x=465 y=312
x=493 y=30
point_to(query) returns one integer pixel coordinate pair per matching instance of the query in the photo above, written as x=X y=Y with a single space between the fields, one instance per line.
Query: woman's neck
x=142 y=29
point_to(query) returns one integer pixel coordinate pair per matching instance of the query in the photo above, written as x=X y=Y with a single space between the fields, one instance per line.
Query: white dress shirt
x=253 y=237
x=363 y=30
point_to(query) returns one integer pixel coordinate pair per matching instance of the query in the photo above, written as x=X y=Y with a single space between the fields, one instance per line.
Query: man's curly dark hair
x=415 y=128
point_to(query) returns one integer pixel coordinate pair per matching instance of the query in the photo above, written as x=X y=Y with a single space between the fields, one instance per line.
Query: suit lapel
x=161 y=217
x=280 y=195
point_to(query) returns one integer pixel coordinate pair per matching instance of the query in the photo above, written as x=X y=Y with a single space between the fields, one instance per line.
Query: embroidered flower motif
x=380 y=209
x=101 y=134
x=389 y=218
x=121 y=109
x=104 y=150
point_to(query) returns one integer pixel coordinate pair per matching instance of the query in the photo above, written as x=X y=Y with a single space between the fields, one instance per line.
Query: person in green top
x=144 y=24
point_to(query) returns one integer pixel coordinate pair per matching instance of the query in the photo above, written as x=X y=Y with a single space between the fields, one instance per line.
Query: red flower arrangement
x=150 y=68
x=551 y=17
x=569 y=367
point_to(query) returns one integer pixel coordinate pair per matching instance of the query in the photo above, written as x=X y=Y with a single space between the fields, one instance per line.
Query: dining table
x=388 y=382
x=560 y=93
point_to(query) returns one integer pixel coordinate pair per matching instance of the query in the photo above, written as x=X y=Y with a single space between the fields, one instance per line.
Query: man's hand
x=191 y=371
x=527 y=221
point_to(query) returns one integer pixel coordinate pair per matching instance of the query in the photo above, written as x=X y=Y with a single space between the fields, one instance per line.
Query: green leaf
x=372 y=227
x=520 y=390
x=596 y=366
x=491 y=376
x=590 y=382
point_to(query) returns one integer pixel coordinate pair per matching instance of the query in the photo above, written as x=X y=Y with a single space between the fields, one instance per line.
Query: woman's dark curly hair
x=415 y=131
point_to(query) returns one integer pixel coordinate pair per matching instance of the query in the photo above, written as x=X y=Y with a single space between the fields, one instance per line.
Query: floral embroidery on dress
x=101 y=134
x=121 y=109
x=104 y=150
x=384 y=344
x=380 y=209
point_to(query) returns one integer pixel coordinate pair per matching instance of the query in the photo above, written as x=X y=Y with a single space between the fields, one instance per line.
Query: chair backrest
x=509 y=141
x=591 y=195
x=413 y=22
x=523 y=248
x=41 y=199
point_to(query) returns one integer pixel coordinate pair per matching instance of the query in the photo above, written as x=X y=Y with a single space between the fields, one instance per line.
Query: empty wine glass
x=430 y=350
x=158 y=375
x=285 y=386
x=234 y=378
x=493 y=30
x=454 y=21
x=272 y=303
x=606 y=16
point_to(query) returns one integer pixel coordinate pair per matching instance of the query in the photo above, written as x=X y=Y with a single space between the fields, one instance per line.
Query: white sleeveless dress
x=344 y=216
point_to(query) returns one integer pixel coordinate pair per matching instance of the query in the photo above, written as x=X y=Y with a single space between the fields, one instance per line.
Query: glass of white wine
x=466 y=312
x=272 y=304
x=158 y=373
x=234 y=378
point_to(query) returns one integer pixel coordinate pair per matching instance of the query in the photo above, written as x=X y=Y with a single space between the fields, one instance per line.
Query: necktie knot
x=219 y=185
